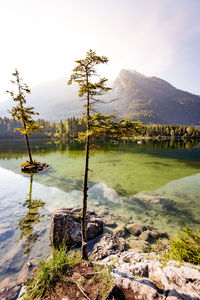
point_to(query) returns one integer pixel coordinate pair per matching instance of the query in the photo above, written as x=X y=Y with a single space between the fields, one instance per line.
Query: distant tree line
x=171 y=131
x=62 y=130
x=69 y=129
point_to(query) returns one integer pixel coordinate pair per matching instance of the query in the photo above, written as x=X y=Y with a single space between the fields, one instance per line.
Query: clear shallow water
x=156 y=183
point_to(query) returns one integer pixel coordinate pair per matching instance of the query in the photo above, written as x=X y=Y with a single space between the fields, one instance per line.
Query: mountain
x=149 y=99
x=54 y=101
x=153 y=100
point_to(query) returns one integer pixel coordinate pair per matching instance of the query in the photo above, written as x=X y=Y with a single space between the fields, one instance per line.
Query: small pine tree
x=22 y=113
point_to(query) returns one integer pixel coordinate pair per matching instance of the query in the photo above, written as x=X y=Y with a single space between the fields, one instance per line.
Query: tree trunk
x=29 y=149
x=85 y=183
x=84 y=215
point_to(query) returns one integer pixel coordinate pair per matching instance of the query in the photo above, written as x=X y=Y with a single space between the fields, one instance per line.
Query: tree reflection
x=33 y=216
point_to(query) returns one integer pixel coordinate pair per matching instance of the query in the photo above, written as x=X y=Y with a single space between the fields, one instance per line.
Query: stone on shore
x=108 y=245
x=145 y=276
x=66 y=226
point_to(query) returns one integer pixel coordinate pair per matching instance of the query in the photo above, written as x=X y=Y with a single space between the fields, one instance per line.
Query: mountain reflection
x=33 y=216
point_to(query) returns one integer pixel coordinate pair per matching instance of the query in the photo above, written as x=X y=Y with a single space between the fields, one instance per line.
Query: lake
x=157 y=183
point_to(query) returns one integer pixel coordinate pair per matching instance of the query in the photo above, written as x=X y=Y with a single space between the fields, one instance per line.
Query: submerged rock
x=120 y=231
x=9 y=289
x=136 y=228
x=27 y=271
x=66 y=226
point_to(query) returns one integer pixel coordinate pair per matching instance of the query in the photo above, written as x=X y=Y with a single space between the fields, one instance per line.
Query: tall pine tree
x=84 y=75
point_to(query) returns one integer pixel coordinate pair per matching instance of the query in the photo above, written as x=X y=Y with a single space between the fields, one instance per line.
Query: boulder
x=138 y=245
x=108 y=245
x=136 y=228
x=156 y=234
x=120 y=231
x=110 y=223
x=66 y=226
x=145 y=276
x=146 y=236
x=133 y=289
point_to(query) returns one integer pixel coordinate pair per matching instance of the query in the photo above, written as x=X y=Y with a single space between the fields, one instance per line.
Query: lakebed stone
x=9 y=289
x=136 y=228
x=120 y=231
x=27 y=271
x=66 y=226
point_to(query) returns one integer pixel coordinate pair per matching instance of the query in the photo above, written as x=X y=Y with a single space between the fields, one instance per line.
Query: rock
x=66 y=226
x=33 y=167
x=108 y=245
x=136 y=228
x=152 y=235
x=159 y=234
x=133 y=289
x=5 y=231
x=115 y=294
x=146 y=236
x=22 y=293
x=8 y=289
x=26 y=271
x=183 y=279
x=144 y=276
x=138 y=245
x=110 y=223
x=104 y=212
x=120 y=231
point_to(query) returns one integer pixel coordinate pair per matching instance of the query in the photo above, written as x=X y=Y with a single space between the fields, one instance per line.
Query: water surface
x=156 y=183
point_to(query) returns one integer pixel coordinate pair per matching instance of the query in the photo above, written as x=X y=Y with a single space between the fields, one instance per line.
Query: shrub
x=185 y=245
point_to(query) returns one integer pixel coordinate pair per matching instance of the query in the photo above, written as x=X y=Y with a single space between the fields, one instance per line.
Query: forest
x=69 y=129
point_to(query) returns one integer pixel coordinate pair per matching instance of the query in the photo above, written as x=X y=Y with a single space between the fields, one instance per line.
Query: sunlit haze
x=43 y=38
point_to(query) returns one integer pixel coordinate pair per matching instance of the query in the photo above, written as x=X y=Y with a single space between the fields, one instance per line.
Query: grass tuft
x=51 y=271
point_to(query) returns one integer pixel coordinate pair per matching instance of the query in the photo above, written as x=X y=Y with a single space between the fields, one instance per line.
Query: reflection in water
x=16 y=149
x=26 y=224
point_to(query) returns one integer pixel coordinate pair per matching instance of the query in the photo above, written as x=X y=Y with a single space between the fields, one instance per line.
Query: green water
x=156 y=183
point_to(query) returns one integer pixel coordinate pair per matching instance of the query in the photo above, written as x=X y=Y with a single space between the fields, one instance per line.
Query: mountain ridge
x=154 y=100
x=149 y=99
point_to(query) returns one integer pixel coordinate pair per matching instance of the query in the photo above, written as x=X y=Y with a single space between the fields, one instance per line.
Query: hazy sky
x=42 y=38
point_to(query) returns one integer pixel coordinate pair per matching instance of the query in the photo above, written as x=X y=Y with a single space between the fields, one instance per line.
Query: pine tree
x=82 y=74
x=97 y=124
x=22 y=113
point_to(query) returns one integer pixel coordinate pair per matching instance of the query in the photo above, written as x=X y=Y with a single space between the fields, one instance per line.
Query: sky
x=43 y=38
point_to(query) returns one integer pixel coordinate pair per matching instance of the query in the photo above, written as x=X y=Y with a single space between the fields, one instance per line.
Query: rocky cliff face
x=153 y=100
